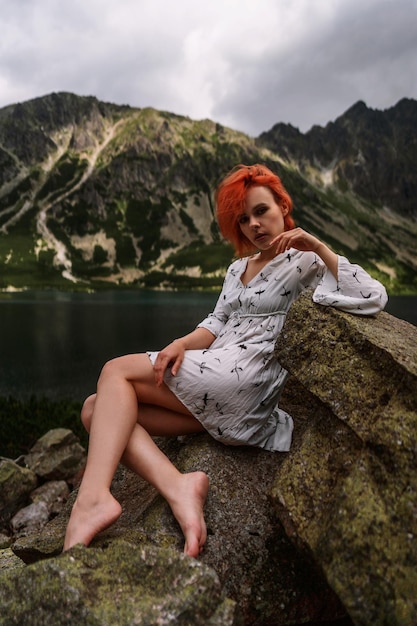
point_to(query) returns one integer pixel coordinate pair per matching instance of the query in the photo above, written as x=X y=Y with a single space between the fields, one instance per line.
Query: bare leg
x=116 y=433
x=185 y=493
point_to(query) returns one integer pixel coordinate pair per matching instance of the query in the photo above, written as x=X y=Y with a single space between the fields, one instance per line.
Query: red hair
x=231 y=197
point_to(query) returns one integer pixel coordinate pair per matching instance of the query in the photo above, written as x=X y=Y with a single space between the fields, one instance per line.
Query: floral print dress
x=233 y=387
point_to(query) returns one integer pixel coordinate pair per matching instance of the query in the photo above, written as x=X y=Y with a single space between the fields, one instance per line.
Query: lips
x=260 y=236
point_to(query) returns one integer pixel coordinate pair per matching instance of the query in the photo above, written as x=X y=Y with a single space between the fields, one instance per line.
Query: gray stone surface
x=348 y=492
x=123 y=584
x=16 y=483
x=57 y=455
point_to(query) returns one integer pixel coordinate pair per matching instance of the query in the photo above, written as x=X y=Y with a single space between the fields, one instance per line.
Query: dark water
x=54 y=344
x=404 y=307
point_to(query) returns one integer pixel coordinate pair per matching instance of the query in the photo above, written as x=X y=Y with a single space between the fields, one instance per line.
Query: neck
x=263 y=256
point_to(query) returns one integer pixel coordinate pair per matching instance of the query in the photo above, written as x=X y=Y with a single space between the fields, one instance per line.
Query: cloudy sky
x=246 y=64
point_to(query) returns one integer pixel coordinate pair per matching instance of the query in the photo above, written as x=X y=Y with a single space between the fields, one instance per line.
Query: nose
x=253 y=221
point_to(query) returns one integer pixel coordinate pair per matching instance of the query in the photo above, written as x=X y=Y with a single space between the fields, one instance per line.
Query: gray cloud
x=365 y=52
x=247 y=65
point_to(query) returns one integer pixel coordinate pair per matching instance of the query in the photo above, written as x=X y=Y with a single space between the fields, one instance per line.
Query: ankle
x=88 y=499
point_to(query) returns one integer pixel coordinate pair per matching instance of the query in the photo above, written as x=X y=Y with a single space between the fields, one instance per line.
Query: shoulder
x=304 y=259
x=236 y=266
x=293 y=257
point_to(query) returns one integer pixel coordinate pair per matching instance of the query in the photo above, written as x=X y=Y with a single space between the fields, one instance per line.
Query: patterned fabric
x=233 y=387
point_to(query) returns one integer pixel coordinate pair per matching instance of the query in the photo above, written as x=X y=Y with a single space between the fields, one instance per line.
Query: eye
x=261 y=210
x=243 y=219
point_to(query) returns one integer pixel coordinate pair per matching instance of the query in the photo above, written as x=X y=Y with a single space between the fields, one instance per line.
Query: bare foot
x=89 y=517
x=188 y=510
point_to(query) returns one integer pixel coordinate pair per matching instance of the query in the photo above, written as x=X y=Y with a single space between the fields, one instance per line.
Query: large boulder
x=124 y=585
x=347 y=494
x=258 y=567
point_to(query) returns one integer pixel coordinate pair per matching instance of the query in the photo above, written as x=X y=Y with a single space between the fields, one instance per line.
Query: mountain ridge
x=96 y=195
x=374 y=152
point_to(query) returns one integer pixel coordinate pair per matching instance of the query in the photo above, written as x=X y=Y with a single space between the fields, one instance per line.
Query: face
x=262 y=219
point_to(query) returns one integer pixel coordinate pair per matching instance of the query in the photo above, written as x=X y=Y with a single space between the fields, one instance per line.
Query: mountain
x=94 y=194
x=371 y=153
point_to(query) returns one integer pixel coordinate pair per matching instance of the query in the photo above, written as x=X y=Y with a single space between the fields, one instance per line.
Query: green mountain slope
x=97 y=195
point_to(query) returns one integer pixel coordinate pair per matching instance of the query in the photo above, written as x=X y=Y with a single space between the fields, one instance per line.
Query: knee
x=87 y=411
x=111 y=369
x=129 y=367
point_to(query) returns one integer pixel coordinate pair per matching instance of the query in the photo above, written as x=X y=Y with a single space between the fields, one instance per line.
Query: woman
x=222 y=377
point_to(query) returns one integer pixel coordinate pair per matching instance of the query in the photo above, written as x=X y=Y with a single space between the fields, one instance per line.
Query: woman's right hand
x=171 y=356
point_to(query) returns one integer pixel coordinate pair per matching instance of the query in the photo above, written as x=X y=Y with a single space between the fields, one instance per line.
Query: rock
x=123 y=584
x=323 y=534
x=47 y=501
x=57 y=455
x=5 y=541
x=30 y=519
x=54 y=493
x=258 y=567
x=247 y=546
x=15 y=485
x=8 y=562
x=347 y=494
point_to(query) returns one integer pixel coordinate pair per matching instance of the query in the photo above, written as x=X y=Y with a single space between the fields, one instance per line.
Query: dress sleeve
x=355 y=291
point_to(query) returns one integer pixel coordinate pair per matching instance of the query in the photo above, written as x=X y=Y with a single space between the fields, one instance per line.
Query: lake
x=54 y=344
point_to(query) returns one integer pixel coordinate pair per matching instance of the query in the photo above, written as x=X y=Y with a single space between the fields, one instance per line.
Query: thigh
x=161 y=422
x=138 y=370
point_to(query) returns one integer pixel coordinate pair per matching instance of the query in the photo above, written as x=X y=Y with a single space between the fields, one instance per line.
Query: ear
x=284 y=208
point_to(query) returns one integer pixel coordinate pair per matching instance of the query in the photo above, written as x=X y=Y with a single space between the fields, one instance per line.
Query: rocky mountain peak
x=372 y=153
x=98 y=193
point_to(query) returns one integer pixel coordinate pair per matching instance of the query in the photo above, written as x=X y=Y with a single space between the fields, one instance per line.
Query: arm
x=199 y=339
x=355 y=291
x=329 y=258
x=173 y=353
x=345 y=286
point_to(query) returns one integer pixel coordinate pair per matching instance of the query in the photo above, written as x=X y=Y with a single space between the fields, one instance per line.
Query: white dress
x=233 y=387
